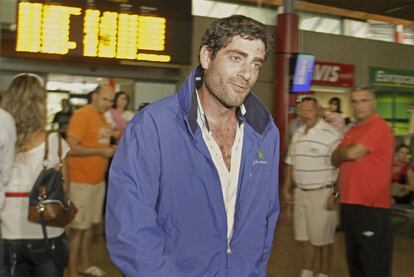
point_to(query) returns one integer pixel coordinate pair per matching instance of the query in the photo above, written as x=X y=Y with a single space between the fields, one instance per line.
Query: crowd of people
x=86 y=134
x=193 y=184
x=330 y=162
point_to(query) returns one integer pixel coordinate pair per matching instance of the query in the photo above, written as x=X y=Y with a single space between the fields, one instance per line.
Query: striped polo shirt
x=310 y=155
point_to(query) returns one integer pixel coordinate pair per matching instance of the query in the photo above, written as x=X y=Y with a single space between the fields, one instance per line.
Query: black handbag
x=48 y=204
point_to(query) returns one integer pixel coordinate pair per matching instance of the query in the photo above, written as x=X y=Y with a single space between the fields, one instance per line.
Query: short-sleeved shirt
x=7 y=147
x=90 y=128
x=367 y=182
x=310 y=152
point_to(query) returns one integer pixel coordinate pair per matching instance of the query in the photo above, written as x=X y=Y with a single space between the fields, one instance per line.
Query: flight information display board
x=106 y=30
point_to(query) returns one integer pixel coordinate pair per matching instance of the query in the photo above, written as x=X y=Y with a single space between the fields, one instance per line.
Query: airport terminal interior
x=285 y=260
x=349 y=43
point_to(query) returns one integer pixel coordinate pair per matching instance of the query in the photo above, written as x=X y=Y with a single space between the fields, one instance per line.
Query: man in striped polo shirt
x=309 y=185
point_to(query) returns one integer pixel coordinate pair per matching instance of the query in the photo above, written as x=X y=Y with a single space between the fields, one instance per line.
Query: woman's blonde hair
x=25 y=100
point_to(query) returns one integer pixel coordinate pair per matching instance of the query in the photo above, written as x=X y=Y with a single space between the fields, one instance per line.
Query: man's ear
x=205 y=57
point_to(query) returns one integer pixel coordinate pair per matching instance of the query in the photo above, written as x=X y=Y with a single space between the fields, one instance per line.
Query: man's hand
x=342 y=153
x=286 y=207
x=108 y=152
x=287 y=198
x=332 y=203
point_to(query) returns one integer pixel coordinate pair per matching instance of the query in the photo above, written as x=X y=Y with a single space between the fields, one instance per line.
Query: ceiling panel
x=403 y=9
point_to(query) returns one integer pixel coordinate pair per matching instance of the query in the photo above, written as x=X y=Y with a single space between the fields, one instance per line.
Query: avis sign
x=333 y=74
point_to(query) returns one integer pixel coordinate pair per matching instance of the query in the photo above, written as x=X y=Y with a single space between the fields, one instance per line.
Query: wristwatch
x=335 y=194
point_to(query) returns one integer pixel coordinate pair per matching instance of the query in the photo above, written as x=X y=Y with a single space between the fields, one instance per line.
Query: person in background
x=310 y=186
x=62 y=117
x=402 y=175
x=295 y=123
x=7 y=148
x=90 y=96
x=25 y=249
x=333 y=115
x=193 y=187
x=364 y=157
x=89 y=137
x=118 y=116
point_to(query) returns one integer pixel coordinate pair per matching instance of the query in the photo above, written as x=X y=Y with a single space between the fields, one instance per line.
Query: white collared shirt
x=228 y=179
x=310 y=154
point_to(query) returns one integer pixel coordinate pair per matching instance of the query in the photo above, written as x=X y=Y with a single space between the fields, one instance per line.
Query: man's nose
x=244 y=71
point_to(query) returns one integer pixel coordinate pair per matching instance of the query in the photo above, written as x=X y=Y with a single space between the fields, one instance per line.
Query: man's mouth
x=239 y=87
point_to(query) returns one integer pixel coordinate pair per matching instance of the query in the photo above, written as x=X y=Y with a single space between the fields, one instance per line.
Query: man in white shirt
x=7 y=143
x=310 y=172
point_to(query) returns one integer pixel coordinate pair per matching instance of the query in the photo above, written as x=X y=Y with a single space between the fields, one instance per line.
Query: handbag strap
x=59 y=149
x=46 y=150
x=42 y=213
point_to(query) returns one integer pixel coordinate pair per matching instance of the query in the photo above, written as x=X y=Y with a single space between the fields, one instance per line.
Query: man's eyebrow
x=235 y=51
x=244 y=54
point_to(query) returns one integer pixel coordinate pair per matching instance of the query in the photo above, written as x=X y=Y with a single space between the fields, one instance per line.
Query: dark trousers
x=3 y=268
x=368 y=240
x=30 y=258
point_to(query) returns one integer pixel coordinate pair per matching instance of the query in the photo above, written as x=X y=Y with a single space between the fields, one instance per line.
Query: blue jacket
x=165 y=212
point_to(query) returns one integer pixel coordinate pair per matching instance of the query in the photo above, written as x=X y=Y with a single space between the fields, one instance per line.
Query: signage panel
x=391 y=79
x=105 y=30
x=333 y=74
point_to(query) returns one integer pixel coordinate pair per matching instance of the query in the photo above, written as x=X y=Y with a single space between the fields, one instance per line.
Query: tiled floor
x=286 y=257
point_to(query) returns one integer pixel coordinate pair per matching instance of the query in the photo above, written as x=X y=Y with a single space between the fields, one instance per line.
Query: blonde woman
x=25 y=250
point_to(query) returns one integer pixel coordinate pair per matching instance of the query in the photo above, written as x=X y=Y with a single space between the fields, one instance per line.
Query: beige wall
x=323 y=99
x=363 y=53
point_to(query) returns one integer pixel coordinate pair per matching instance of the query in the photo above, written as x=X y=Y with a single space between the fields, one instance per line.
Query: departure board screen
x=106 y=30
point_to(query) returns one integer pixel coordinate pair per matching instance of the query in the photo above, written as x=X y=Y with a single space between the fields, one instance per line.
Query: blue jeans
x=30 y=258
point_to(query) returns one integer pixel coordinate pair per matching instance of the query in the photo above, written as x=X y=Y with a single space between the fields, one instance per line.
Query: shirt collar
x=371 y=119
x=318 y=125
x=202 y=118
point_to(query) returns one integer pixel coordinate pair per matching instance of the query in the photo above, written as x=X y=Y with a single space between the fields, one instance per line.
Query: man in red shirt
x=364 y=157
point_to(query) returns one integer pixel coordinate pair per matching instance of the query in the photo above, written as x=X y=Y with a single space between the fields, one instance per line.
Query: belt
x=17 y=194
x=318 y=188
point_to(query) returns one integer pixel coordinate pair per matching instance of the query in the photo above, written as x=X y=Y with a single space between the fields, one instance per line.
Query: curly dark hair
x=220 y=33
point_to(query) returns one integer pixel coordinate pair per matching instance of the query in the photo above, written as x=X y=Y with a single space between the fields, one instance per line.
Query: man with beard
x=193 y=187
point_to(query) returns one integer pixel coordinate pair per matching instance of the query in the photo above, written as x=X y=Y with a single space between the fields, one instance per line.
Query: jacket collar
x=256 y=114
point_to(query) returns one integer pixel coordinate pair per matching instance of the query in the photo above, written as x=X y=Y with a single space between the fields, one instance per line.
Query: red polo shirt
x=367 y=182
